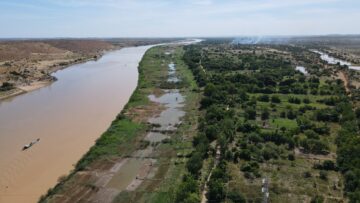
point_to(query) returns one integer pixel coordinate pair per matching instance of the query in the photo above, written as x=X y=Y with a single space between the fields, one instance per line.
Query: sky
x=176 y=18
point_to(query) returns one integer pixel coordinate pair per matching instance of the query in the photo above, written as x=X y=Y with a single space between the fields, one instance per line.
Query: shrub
x=275 y=99
x=264 y=98
x=323 y=175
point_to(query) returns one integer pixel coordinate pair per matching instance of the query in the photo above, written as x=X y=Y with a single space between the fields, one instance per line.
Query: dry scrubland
x=26 y=65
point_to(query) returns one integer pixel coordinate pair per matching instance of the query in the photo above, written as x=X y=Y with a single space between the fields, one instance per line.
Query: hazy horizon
x=169 y=18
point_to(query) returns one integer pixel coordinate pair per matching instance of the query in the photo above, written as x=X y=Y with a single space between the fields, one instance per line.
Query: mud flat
x=67 y=116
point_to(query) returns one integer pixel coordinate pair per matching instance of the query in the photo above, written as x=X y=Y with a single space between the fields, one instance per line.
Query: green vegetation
x=268 y=120
x=249 y=115
x=120 y=131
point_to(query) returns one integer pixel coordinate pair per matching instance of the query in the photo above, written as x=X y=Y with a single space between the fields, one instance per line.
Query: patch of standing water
x=156 y=137
x=170 y=117
x=302 y=69
x=131 y=171
x=172 y=74
x=332 y=60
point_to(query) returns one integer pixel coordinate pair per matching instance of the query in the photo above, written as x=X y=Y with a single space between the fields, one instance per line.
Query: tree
x=195 y=163
x=211 y=132
x=236 y=197
x=314 y=146
x=186 y=190
x=275 y=99
x=250 y=114
x=216 y=191
x=265 y=114
x=328 y=165
x=192 y=198
x=264 y=98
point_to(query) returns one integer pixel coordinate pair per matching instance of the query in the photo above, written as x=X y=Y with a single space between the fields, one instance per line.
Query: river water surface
x=332 y=60
x=67 y=116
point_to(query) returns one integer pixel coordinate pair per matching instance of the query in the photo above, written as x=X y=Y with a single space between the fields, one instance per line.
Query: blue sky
x=171 y=18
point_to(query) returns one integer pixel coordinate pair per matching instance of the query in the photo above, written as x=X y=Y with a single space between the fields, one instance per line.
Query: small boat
x=27 y=146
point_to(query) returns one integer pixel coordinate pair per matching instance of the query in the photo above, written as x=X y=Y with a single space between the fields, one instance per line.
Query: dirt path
x=343 y=77
x=205 y=190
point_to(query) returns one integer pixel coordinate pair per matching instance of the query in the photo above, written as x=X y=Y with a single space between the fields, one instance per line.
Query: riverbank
x=139 y=150
x=66 y=118
x=48 y=79
x=27 y=65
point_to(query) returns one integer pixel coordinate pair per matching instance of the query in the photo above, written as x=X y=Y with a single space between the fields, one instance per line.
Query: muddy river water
x=67 y=117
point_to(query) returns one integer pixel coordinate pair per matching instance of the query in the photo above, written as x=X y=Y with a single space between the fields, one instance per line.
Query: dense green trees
x=241 y=89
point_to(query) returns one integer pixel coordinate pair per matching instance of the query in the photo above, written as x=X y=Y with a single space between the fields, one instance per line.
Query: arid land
x=27 y=65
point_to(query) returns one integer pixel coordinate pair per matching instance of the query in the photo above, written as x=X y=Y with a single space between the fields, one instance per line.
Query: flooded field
x=67 y=117
x=128 y=173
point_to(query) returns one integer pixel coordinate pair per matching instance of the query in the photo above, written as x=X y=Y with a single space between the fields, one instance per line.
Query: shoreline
x=118 y=59
x=88 y=158
x=35 y=85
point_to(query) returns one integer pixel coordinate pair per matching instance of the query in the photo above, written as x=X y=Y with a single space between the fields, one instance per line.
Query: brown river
x=67 y=117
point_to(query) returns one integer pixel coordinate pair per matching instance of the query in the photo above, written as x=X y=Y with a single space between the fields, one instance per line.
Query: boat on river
x=27 y=146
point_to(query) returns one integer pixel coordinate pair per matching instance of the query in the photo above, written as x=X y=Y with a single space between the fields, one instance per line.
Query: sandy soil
x=343 y=77
x=28 y=64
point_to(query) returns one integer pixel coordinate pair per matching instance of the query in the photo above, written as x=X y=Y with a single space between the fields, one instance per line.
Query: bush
x=317 y=199
x=264 y=98
x=291 y=157
x=328 y=165
x=306 y=101
x=310 y=134
x=6 y=86
x=328 y=114
x=265 y=114
x=270 y=152
x=294 y=100
x=195 y=163
x=323 y=175
x=187 y=189
x=216 y=190
x=275 y=99
x=314 y=146
x=307 y=174
x=250 y=114
x=236 y=197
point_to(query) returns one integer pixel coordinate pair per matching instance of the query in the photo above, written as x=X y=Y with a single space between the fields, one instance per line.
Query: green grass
x=283 y=122
x=120 y=131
